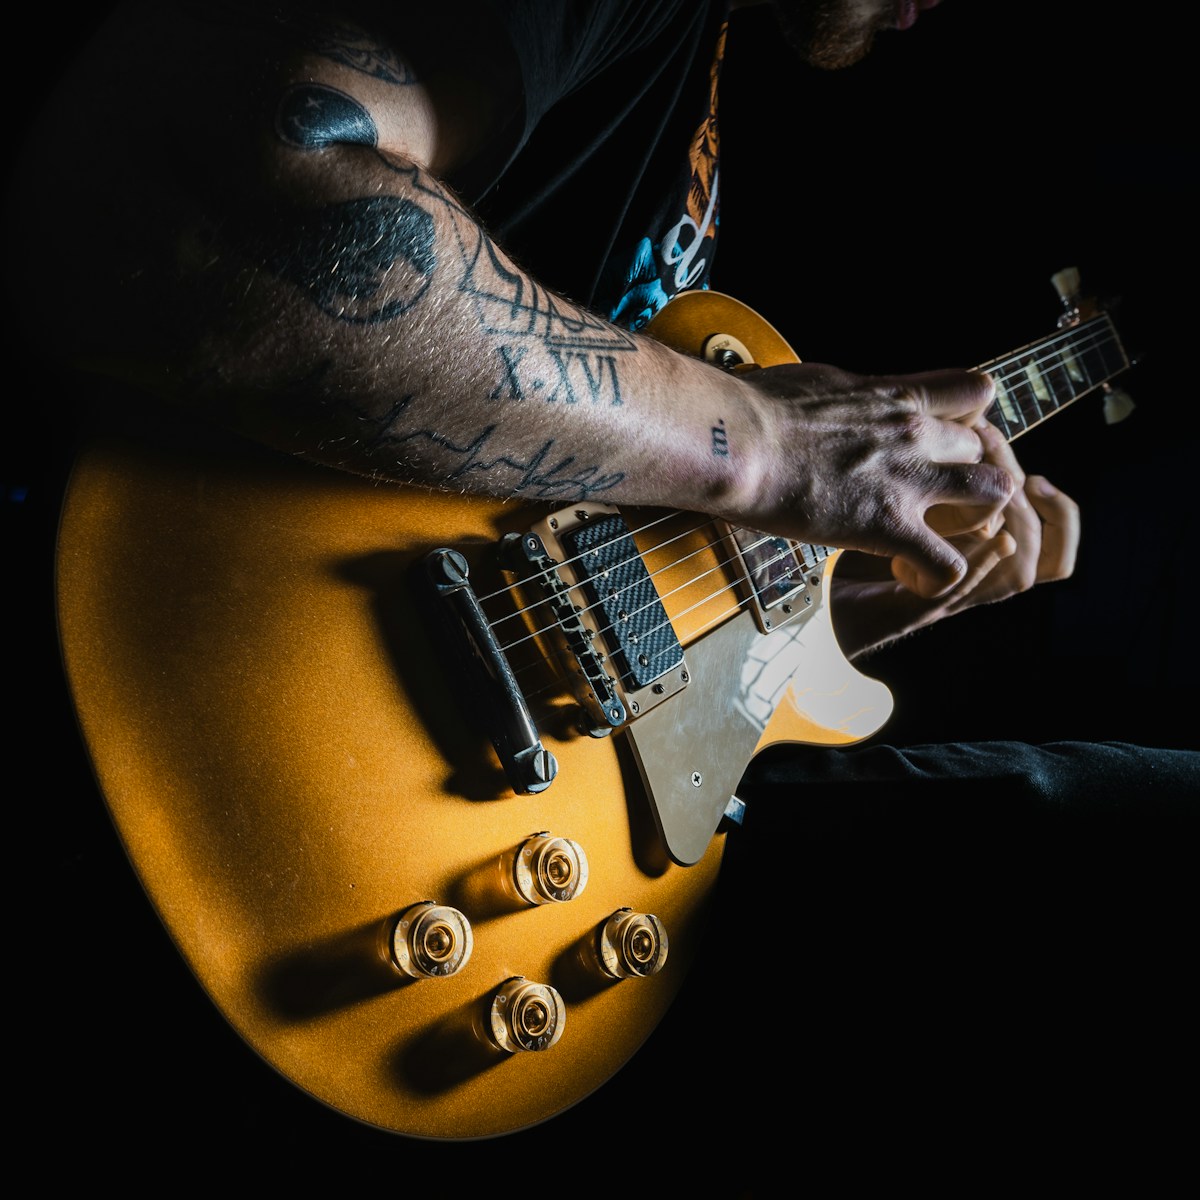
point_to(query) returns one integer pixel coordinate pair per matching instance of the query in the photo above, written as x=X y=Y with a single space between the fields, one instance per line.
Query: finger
x=1061 y=528
x=983 y=556
x=962 y=396
x=973 y=491
x=928 y=565
x=936 y=564
x=952 y=442
x=952 y=519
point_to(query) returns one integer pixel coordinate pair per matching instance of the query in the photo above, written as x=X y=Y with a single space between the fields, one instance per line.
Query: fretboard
x=1032 y=383
x=1040 y=379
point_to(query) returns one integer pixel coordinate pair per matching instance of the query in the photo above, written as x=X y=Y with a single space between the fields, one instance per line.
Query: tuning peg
x=1066 y=283
x=1118 y=404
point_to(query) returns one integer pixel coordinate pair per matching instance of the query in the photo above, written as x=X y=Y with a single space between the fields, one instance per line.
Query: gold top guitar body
x=277 y=671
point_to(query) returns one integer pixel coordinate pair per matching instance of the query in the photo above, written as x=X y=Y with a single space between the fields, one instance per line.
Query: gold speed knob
x=550 y=870
x=430 y=941
x=526 y=1016
x=631 y=945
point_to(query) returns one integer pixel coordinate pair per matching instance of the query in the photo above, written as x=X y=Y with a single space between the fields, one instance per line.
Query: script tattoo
x=540 y=476
x=398 y=443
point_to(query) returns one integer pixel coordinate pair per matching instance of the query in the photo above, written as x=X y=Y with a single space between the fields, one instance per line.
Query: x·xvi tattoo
x=573 y=376
x=720 y=439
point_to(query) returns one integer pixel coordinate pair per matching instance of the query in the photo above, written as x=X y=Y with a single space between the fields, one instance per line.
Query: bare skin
x=334 y=299
x=1034 y=539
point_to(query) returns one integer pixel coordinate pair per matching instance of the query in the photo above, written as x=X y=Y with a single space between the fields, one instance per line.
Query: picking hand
x=863 y=463
x=1035 y=539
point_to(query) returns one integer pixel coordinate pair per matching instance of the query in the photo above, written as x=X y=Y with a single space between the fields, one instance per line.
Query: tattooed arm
x=270 y=246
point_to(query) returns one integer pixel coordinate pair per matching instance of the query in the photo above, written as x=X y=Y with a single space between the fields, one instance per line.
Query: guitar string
x=1035 y=411
x=1072 y=335
x=656 y=599
x=788 y=552
x=1099 y=339
x=1026 y=413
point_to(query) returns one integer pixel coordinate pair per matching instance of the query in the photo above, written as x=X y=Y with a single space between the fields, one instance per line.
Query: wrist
x=748 y=483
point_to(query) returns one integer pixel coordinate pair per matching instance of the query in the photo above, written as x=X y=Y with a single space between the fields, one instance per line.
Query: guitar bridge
x=622 y=651
x=485 y=672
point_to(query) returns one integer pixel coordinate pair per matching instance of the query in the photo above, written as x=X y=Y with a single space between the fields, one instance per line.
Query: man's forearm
x=255 y=237
x=375 y=327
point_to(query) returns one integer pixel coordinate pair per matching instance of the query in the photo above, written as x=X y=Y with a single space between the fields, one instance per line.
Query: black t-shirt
x=607 y=189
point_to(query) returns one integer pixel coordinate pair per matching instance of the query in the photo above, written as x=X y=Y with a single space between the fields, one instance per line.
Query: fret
x=1060 y=387
x=1005 y=412
x=1045 y=376
x=1039 y=393
x=1074 y=370
x=1112 y=354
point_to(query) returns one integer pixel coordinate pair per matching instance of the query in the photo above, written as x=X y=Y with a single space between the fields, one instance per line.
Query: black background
x=917 y=206
x=948 y=177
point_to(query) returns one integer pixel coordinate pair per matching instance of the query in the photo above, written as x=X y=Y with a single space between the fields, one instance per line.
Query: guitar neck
x=1044 y=377
x=1032 y=384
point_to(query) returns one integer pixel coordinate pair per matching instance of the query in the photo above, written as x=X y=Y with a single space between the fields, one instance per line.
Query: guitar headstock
x=1076 y=308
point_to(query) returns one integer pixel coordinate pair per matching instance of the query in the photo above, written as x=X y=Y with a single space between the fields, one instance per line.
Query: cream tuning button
x=548 y=870
x=430 y=941
x=631 y=945
x=526 y=1016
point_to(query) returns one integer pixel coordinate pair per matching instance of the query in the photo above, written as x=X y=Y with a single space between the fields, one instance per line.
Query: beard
x=831 y=34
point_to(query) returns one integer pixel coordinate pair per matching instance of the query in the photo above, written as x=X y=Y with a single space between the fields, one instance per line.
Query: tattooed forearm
x=539 y=477
x=370 y=260
x=474 y=463
x=573 y=376
x=444 y=320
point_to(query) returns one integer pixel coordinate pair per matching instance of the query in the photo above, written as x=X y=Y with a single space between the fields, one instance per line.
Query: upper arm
x=175 y=135
x=439 y=93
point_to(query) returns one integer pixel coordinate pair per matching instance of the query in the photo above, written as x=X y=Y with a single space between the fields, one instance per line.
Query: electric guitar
x=431 y=791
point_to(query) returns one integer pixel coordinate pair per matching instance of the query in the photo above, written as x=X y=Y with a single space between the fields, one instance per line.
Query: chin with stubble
x=831 y=34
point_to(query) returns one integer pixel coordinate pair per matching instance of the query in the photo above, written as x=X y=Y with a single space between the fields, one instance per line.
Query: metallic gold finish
x=632 y=945
x=526 y=1016
x=550 y=870
x=275 y=740
x=430 y=941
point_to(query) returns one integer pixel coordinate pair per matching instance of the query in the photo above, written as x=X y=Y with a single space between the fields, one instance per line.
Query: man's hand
x=1033 y=540
x=893 y=466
